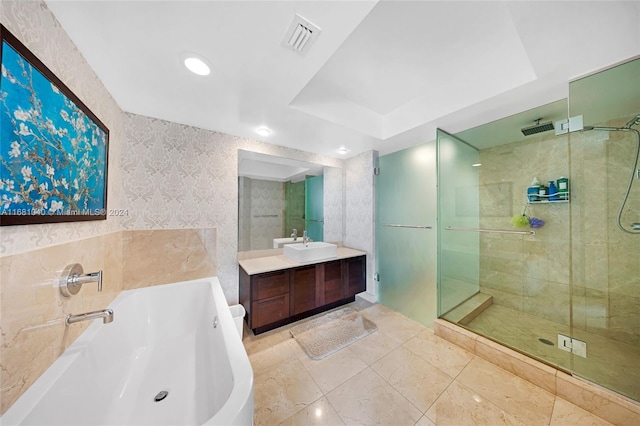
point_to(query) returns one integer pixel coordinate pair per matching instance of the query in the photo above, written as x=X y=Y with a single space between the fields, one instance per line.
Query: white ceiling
x=381 y=75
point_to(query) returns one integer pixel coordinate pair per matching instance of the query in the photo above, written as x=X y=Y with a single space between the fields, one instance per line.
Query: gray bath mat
x=329 y=333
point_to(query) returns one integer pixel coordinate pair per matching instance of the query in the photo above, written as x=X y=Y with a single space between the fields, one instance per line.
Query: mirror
x=277 y=195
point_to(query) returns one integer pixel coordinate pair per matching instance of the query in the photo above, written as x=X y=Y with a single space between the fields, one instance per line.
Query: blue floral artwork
x=53 y=155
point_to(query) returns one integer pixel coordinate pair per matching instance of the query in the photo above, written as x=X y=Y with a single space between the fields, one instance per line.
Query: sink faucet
x=305 y=238
x=105 y=314
x=294 y=234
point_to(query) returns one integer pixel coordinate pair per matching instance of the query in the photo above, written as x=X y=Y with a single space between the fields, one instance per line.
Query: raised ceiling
x=381 y=75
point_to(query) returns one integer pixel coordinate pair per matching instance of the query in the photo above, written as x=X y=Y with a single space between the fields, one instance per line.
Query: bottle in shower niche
x=553 y=191
x=542 y=193
x=532 y=190
x=563 y=188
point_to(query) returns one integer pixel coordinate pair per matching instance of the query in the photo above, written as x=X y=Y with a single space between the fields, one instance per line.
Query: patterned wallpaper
x=333 y=204
x=33 y=24
x=178 y=176
x=359 y=209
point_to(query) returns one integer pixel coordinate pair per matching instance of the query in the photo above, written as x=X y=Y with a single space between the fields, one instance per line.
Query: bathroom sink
x=311 y=252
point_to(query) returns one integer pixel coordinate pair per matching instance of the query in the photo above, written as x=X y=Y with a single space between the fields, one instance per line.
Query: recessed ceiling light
x=197 y=65
x=263 y=131
x=342 y=150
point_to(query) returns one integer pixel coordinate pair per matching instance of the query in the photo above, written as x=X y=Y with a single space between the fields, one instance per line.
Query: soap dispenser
x=553 y=191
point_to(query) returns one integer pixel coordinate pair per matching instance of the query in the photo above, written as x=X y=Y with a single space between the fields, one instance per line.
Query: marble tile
x=523 y=400
x=397 y=326
x=375 y=310
x=270 y=356
x=606 y=405
x=253 y=343
x=522 y=331
x=333 y=370
x=417 y=380
x=282 y=391
x=164 y=256
x=459 y=405
x=455 y=334
x=367 y=399
x=320 y=413
x=567 y=414
x=424 y=421
x=373 y=347
x=33 y=333
x=522 y=366
x=446 y=356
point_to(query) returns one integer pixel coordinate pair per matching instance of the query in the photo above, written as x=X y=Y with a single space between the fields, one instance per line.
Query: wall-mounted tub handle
x=394 y=225
x=73 y=278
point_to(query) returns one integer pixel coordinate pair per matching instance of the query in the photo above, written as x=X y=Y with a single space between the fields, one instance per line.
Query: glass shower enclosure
x=553 y=276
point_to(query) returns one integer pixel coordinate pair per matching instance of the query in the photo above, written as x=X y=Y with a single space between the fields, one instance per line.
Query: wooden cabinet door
x=355 y=275
x=304 y=289
x=270 y=284
x=267 y=311
x=332 y=282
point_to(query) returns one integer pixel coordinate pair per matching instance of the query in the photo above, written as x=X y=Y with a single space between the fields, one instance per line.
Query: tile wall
x=530 y=273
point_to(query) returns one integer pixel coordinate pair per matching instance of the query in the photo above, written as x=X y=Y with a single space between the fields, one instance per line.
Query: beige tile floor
x=402 y=374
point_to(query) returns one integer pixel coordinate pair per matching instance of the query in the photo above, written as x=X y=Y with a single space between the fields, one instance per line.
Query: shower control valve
x=73 y=278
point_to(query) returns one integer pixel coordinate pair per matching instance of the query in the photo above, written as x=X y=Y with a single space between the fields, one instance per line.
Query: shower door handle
x=393 y=225
x=491 y=231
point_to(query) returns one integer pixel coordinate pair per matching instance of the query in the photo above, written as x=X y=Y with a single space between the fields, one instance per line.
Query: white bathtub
x=162 y=338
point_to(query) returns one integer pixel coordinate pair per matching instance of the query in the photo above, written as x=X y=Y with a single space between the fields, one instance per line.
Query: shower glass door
x=606 y=248
x=405 y=232
x=458 y=220
x=314 y=209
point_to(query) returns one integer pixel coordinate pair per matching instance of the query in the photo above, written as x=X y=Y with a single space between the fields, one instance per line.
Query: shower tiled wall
x=606 y=261
x=579 y=243
x=527 y=273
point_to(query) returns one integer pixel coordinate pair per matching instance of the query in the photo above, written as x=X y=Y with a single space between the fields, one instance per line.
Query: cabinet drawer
x=270 y=284
x=267 y=311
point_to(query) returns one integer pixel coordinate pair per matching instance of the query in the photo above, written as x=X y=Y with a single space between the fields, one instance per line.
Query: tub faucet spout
x=105 y=314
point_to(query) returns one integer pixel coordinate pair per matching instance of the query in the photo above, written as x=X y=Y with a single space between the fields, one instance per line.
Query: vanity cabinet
x=304 y=289
x=273 y=299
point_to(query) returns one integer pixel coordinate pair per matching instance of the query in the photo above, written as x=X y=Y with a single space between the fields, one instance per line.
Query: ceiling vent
x=301 y=35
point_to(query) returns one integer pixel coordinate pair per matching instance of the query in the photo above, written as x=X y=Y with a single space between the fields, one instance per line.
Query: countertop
x=259 y=265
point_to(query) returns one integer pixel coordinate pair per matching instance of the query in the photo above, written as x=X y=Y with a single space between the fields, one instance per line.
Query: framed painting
x=53 y=149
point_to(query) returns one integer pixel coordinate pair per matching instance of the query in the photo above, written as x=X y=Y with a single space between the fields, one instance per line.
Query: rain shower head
x=538 y=128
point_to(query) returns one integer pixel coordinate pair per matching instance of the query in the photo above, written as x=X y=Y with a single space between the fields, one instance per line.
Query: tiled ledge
x=599 y=401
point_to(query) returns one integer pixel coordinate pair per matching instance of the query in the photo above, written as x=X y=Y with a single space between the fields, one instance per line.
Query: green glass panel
x=605 y=302
x=458 y=207
x=294 y=207
x=406 y=257
x=314 y=210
